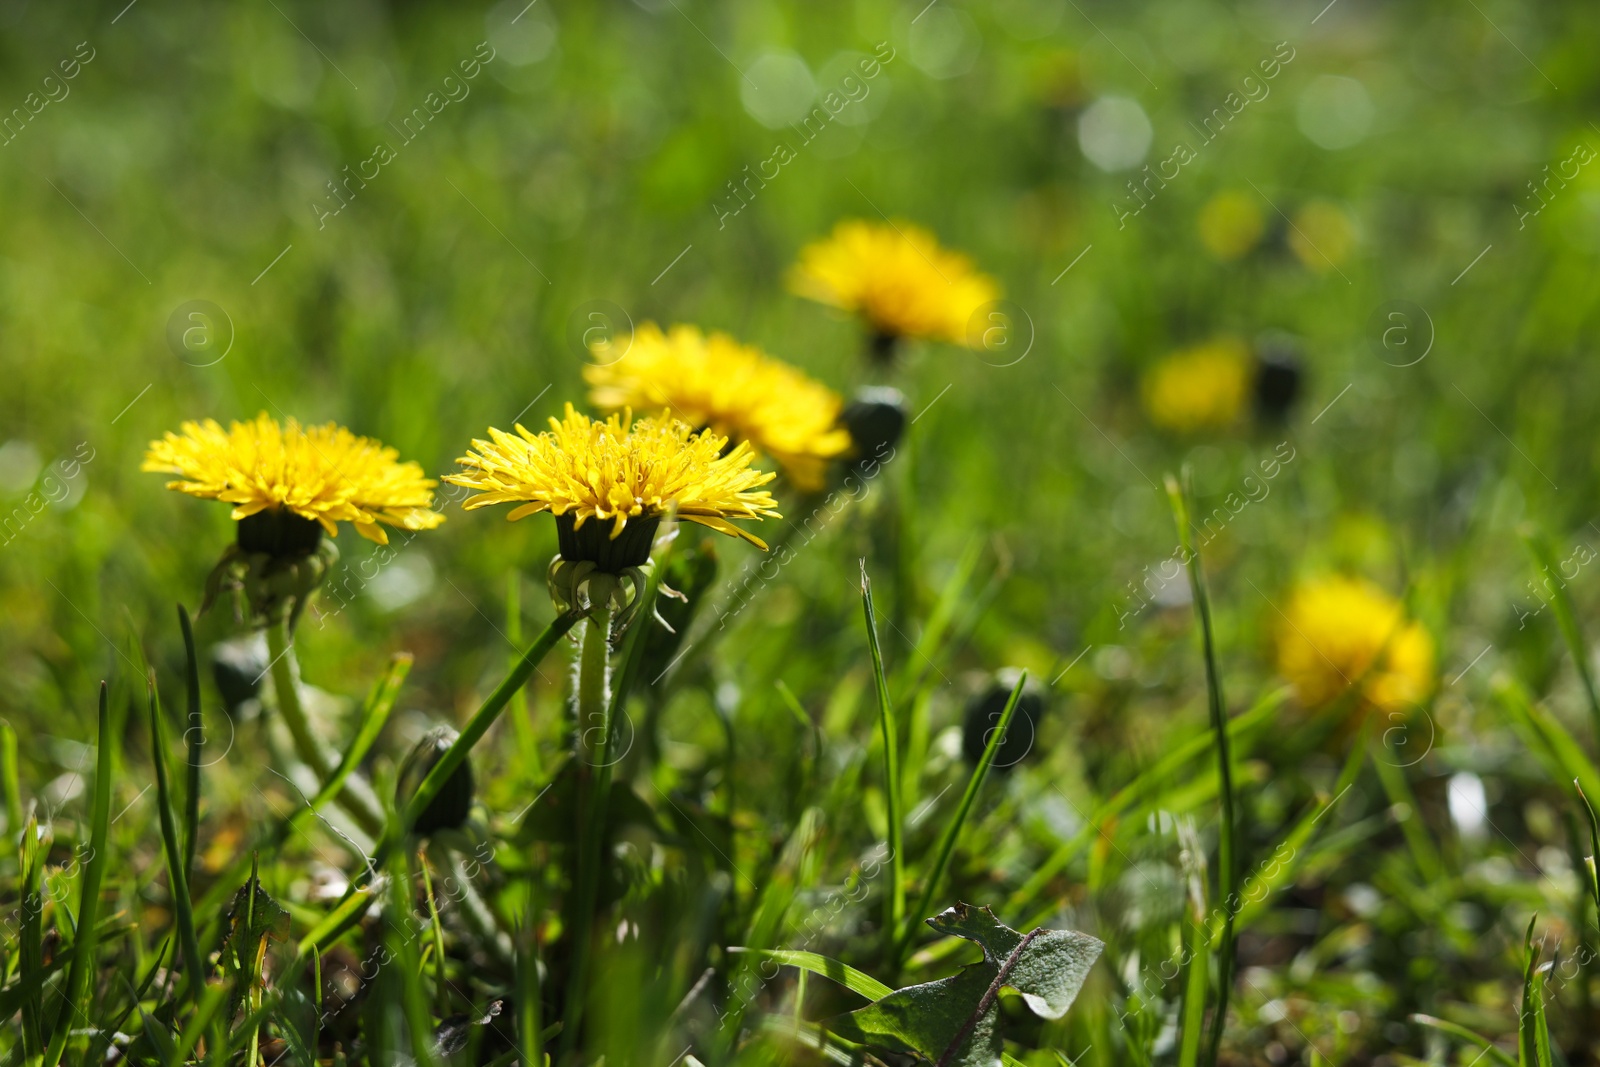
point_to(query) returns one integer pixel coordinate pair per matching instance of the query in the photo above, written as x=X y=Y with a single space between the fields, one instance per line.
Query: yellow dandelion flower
x=733 y=389
x=621 y=471
x=1199 y=388
x=1341 y=632
x=897 y=278
x=322 y=474
x=1231 y=224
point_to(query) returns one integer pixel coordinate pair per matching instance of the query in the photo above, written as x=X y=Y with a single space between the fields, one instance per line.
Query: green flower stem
x=594 y=745
x=280 y=649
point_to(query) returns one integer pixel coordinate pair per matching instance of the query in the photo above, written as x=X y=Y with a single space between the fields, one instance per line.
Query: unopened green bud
x=983 y=717
x=238 y=666
x=449 y=808
x=876 y=419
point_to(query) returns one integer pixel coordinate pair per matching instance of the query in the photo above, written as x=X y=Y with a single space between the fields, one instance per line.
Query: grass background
x=584 y=166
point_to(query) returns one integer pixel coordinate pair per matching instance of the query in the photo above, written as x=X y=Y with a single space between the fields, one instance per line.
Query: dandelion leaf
x=955 y=1021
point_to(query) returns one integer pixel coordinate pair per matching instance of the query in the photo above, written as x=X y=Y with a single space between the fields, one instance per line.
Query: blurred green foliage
x=585 y=167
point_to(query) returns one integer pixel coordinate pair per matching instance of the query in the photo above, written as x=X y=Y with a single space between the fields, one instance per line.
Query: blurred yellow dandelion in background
x=1199 y=388
x=325 y=474
x=1338 y=632
x=1322 y=238
x=895 y=276
x=1231 y=224
x=736 y=390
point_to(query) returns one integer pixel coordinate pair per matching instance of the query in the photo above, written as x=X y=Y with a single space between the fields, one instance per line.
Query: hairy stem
x=594 y=744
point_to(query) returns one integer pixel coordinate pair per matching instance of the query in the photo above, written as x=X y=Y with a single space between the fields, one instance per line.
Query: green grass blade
x=403 y=949
x=177 y=871
x=1287 y=857
x=1194 y=993
x=194 y=736
x=32 y=937
x=102 y=1041
x=521 y=723
x=852 y=979
x=15 y=997
x=486 y=715
x=344 y=915
x=1157 y=775
x=1566 y=618
x=155 y=1032
x=374 y=714
x=206 y=1012
x=805 y=721
x=1591 y=869
x=952 y=830
x=812 y=1036
x=12 y=782
x=1227 y=854
x=1445 y=1026
x=1533 y=1037
x=939 y=620
x=1398 y=789
x=1546 y=736
x=441 y=983
x=1541 y=1023
x=894 y=900
x=530 y=1040
x=80 y=979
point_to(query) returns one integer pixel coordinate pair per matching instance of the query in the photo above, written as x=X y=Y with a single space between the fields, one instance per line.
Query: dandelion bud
x=876 y=418
x=450 y=806
x=984 y=713
x=1280 y=376
x=238 y=666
